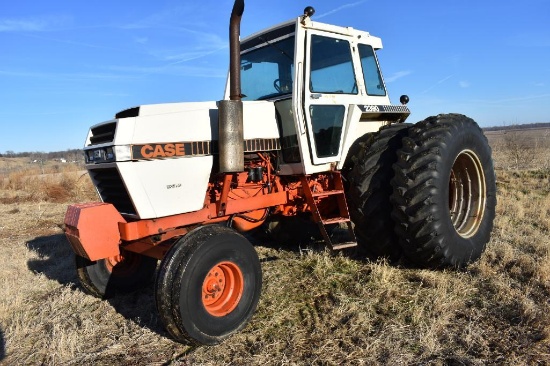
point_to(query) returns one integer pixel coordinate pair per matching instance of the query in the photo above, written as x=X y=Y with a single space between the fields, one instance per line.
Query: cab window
x=268 y=72
x=371 y=73
x=331 y=69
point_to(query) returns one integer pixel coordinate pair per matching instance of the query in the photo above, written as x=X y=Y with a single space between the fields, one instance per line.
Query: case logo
x=156 y=151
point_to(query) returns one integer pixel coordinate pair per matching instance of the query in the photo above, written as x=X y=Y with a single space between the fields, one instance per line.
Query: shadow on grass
x=139 y=307
x=2 y=345
x=300 y=235
x=56 y=261
x=293 y=234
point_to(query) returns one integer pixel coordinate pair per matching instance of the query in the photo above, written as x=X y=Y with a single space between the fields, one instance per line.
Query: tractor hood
x=135 y=133
x=156 y=160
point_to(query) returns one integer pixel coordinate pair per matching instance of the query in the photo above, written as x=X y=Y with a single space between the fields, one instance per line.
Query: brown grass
x=315 y=308
x=29 y=183
x=520 y=149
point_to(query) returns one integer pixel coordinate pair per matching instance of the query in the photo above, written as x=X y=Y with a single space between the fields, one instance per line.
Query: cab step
x=337 y=193
x=327 y=193
x=345 y=245
x=334 y=220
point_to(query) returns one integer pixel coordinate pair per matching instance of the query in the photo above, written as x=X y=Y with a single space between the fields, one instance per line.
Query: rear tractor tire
x=123 y=273
x=444 y=192
x=369 y=191
x=208 y=285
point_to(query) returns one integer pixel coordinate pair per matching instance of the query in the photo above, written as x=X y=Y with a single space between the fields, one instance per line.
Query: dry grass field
x=315 y=308
x=520 y=148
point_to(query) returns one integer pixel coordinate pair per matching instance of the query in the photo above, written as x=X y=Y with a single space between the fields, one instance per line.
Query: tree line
x=69 y=155
x=518 y=127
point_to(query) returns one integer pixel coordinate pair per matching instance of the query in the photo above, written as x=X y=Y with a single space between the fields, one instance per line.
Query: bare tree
x=519 y=148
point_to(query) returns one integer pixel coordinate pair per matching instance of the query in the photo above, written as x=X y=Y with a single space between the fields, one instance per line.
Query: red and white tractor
x=306 y=129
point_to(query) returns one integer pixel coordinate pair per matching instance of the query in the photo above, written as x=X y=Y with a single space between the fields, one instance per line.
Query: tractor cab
x=322 y=79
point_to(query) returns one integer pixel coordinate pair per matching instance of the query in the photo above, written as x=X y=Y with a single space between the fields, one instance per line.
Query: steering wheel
x=277 y=85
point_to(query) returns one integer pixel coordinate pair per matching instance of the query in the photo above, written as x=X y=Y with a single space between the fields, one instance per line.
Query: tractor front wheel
x=208 y=285
x=122 y=273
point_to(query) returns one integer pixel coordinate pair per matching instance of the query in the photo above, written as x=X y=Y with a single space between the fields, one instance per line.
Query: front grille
x=103 y=134
x=132 y=112
x=112 y=190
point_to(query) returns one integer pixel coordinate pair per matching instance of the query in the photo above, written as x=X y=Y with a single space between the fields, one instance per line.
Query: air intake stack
x=230 y=112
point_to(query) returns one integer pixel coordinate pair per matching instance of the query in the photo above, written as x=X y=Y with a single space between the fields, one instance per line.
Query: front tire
x=208 y=285
x=123 y=273
x=444 y=192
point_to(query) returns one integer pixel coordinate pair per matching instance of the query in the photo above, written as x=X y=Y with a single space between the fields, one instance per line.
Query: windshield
x=267 y=72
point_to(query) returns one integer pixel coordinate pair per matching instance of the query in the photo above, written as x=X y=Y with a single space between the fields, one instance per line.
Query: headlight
x=100 y=155
x=89 y=156
x=108 y=154
x=123 y=152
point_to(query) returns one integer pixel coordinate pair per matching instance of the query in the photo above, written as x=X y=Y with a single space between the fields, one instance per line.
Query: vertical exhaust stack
x=230 y=112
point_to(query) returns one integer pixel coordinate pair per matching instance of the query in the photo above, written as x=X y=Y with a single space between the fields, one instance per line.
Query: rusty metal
x=230 y=116
x=235 y=51
x=231 y=136
x=222 y=203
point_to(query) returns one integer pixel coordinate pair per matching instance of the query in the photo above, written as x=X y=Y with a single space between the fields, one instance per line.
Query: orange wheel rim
x=111 y=262
x=222 y=289
x=125 y=263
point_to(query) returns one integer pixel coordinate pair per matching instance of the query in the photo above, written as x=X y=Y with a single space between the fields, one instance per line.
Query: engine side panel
x=166 y=187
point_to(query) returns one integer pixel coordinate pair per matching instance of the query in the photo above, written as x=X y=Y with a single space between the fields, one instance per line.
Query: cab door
x=329 y=88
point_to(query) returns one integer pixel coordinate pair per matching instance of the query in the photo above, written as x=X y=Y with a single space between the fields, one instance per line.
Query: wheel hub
x=222 y=289
x=113 y=261
x=467 y=194
x=125 y=263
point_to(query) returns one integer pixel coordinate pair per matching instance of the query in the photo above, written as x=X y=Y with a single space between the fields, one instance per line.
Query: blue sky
x=68 y=64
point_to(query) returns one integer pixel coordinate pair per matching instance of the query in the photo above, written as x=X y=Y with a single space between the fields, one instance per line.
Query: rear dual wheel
x=444 y=192
x=369 y=191
x=426 y=192
x=208 y=285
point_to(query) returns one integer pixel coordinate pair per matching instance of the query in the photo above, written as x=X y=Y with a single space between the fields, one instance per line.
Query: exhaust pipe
x=230 y=112
x=235 y=50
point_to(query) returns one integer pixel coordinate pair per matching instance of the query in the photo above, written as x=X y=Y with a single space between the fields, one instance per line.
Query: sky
x=66 y=65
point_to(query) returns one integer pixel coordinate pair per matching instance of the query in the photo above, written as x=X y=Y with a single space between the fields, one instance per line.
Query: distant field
x=520 y=148
x=28 y=167
x=534 y=136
